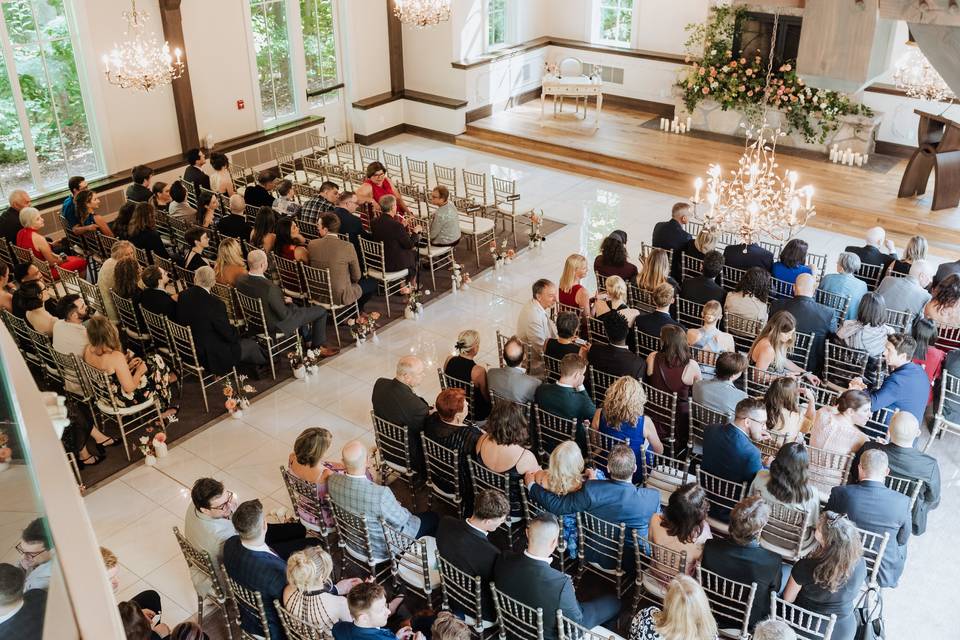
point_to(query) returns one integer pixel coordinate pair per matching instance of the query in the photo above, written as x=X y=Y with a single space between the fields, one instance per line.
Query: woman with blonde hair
x=777 y=338
x=685 y=615
x=616 y=300
x=704 y=243
x=916 y=249
x=230 y=263
x=621 y=416
x=308 y=596
x=462 y=365
x=656 y=271
x=709 y=337
x=571 y=292
x=564 y=475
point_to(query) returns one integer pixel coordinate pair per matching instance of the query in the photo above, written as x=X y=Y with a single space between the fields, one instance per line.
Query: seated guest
x=870 y=330
x=905 y=461
x=350 y=223
x=792 y=262
x=915 y=250
x=234 y=224
x=37 y=555
x=447 y=626
x=69 y=333
x=829 y=580
x=445 y=221
x=105 y=279
x=571 y=293
x=462 y=366
x=505 y=448
x=566 y=341
x=872 y=252
x=683 y=527
x=290 y=243
x=906 y=387
x=810 y=316
x=136 y=624
x=656 y=271
x=685 y=615
x=787 y=483
x=728 y=451
x=772 y=629
x=464 y=543
x=747 y=256
x=719 y=393
x=22 y=611
x=924 y=333
x=126 y=281
x=740 y=557
x=143 y=233
x=376 y=186
x=285 y=203
x=749 y=299
x=207 y=206
x=837 y=429
x=566 y=397
x=704 y=243
x=10 y=220
x=874 y=507
x=612 y=259
x=944 y=305
x=230 y=264
x=250 y=561
x=220 y=179
x=652 y=323
x=615 y=302
x=399 y=242
x=6 y=294
x=671 y=369
x=369 y=612
x=622 y=417
x=777 y=338
x=306 y=462
x=845 y=282
x=264 y=234
x=122 y=221
x=564 y=474
x=908 y=293
x=311 y=595
x=197 y=239
x=511 y=381
x=709 y=337
x=148 y=600
x=447 y=426
x=395 y=401
x=785 y=419
x=616 y=358
x=139 y=190
x=80 y=214
x=29 y=303
x=704 y=288
x=160 y=199
x=534 y=325
x=615 y=499
x=281 y=314
x=529 y=578
x=356 y=493
x=154 y=297
x=179 y=208
x=671 y=234
x=31 y=221
x=321 y=204
x=259 y=195
x=328 y=251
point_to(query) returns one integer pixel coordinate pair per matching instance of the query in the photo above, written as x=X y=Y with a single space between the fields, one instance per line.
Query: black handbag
x=869 y=617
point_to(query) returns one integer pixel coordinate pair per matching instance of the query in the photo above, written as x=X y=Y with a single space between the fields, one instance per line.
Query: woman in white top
x=307 y=594
x=786 y=418
x=787 y=482
x=615 y=300
x=749 y=299
x=836 y=429
x=221 y=181
x=709 y=337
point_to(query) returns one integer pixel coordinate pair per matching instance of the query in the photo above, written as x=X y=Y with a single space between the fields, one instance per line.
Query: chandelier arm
x=773 y=46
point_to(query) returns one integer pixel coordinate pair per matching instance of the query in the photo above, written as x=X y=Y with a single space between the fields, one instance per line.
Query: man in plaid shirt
x=319 y=205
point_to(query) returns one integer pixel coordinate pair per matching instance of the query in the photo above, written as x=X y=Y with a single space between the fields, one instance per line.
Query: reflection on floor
x=134 y=514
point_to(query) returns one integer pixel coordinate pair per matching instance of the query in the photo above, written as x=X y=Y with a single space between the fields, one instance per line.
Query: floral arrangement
x=364 y=326
x=551 y=68
x=153 y=444
x=237 y=398
x=6 y=453
x=737 y=81
x=295 y=358
x=501 y=254
x=536 y=229
x=415 y=294
x=459 y=277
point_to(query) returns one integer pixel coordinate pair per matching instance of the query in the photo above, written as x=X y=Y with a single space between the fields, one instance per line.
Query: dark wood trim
x=172 y=21
x=408 y=94
x=662 y=109
x=395 y=46
x=320 y=92
x=894 y=149
x=487 y=110
x=423 y=132
x=887 y=89
x=376 y=101
x=539 y=43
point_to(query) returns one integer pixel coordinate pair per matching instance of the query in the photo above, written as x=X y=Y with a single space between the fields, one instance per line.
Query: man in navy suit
x=740 y=256
x=870 y=252
x=906 y=387
x=252 y=564
x=811 y=316
x=670 y=234
x=728 y=451
x=874 y=507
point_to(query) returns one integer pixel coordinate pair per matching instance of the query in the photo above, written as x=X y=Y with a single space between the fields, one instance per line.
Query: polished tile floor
x=133 y=515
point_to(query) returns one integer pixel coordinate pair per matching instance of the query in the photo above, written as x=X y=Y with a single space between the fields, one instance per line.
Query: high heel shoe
x=110 y=442
x=92 y=461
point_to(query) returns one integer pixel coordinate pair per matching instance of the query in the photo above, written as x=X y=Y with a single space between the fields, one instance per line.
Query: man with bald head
x=908 y=293
x=511 y=381
x=282 y=315
x=10 y=220
x=394 y=400
x=906 y=461
x=529 y=578
x=877 y=250
x=355 y=492
x=235 y=224
x=811 y=316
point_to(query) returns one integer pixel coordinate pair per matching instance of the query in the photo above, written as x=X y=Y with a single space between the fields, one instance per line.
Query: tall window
x=44 y=131
x=271 y=43
x=616 y=22
x=496 y=23
x=319 y=50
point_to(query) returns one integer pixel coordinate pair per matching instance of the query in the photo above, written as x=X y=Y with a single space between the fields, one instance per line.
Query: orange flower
x=706 y=90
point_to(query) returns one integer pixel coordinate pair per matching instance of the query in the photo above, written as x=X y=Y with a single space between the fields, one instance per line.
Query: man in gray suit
x=281 y=314
x=908 y=293
x=340 y=258
x=511 y=381
x=719 y=393
x=356 y=493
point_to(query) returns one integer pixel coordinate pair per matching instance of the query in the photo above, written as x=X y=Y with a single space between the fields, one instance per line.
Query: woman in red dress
x=289 y=243
x=572 y=293
x=27 y=238
x=376 y=186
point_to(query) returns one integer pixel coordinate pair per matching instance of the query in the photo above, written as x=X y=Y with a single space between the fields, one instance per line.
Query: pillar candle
x=689 y=122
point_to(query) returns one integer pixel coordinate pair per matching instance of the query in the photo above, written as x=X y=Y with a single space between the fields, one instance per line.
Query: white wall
x=427 y=54
x=662 y=30
x=365 y=51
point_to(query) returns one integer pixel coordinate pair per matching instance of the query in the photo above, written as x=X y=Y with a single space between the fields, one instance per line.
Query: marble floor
x=134 y=513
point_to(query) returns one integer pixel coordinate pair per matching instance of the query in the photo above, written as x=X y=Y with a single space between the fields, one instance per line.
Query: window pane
x=14 y=168
x=272 y=46
x=319 y=46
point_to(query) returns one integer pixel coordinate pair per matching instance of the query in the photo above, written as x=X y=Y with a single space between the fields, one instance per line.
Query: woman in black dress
x=463 y=366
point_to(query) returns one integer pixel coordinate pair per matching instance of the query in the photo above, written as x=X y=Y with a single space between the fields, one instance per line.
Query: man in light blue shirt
x=845 y=283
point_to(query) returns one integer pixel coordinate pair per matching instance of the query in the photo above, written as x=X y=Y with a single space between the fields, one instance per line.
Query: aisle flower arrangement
x=153 y=445
x=6 y=453
x=414 y=307
x=237 y=398
x=364 y=326
x=536 y=229
x=501 y=254
x=459 y=277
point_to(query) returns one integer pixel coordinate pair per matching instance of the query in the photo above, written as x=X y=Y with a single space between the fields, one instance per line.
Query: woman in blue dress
x=621 y=416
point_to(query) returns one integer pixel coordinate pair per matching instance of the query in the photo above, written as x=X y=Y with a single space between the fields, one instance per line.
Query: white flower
x=426 y=292
x=144 y=439
x=713 y=52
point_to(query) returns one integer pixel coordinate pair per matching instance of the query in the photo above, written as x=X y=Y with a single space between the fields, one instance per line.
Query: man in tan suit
x=340 y=257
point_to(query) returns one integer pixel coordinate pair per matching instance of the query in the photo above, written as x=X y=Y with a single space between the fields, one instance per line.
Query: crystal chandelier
x=916 y=76
x=140 y=62
x=422 y=13
x=755 y=201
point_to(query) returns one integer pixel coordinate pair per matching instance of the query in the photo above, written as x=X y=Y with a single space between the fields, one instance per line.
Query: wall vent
x=613 y=75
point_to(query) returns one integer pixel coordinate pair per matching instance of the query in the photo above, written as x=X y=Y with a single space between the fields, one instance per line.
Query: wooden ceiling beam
x=945 y=13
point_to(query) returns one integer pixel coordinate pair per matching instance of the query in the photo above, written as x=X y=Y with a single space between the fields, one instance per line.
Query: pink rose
x=160 y=437
x=706 y=90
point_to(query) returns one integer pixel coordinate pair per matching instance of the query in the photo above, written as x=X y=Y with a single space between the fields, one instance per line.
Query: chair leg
x=476 y=249
x=203 y=390
x=123 y=436
x=433 y=275
x=386 y=294
x=200 y=611
x=273 y=368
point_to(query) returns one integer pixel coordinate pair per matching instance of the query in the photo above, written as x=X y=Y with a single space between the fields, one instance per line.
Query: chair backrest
x=517 y=620
x=604 y=543
x=645 y=343
x=394 y=164
x=730 y=277
x=729 y=600
x=570 y=66
x=901 y=321
x=92 y=296
x=250 y=606
x=600 y=381
x=780 y=288
x=707 y=360
x=700 y=418
x=807 y=624
x=345 y=154
x=18 y=327
x=871 y=274
x=372 y=255
x=22 y=256
x=802 y=346
x=299 y=629
x=185 y=346
x=72 y=375
x=839 y=303
x=599 y=446
x=443 y=471
x=551 y=430
x=689 y=313
x=843 y=364
x=475 y=186
x=877 y=425
x=483 y=478
x=504 y=191
x=567 y=629
x=656 y=565
x=690 y=267
x=596 y=331
x=828 y=469
x=128 y=316
x=200 y=560
x=551 y=367
x=721 y=493
x=353 y=534
x=290 y=276
x=393 y=444
x=638 y=298
x=757 y=381
x=662 y=407
x=909 y=487
x=417 y=172
x=410 y=559
x=874 y=546
x=43 y=348
x=229 y=300
x=253 y=315
x=304 y=498
x=948 y=336
x=948 y=404
x=447 y=176
x=786 y=530
x=158 y=330
x=744 y=330
x=462 y=592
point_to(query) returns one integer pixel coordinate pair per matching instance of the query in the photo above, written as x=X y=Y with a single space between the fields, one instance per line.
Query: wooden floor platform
x=848 y=199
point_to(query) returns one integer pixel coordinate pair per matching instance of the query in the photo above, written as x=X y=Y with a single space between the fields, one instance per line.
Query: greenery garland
x=738 y=81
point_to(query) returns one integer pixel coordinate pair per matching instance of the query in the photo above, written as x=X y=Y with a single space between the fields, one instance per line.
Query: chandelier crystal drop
x=422 y=13
x=915 y=75
x=140 y=62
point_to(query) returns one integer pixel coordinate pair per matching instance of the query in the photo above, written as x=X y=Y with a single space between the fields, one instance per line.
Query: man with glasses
x=36 y=555
x=207 y=526
x=728 y=451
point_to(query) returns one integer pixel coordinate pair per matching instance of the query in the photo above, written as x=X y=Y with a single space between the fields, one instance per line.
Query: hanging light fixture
x=140 y=62
x=422 y=13
x=755 y=200
x=914 y=75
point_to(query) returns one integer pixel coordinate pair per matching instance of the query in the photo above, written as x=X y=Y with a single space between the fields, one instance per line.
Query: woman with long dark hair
x=263 y=235
x=673 y=370
x=143 y=233
x=121 y=223
x=792 y=262
x=683 y=524
x=207 y=205
x=944 y=306
x=787 y=482
x=290 y=244
x=870 y=330
x=613 y=259
x=749 y=299
x=931 y=358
